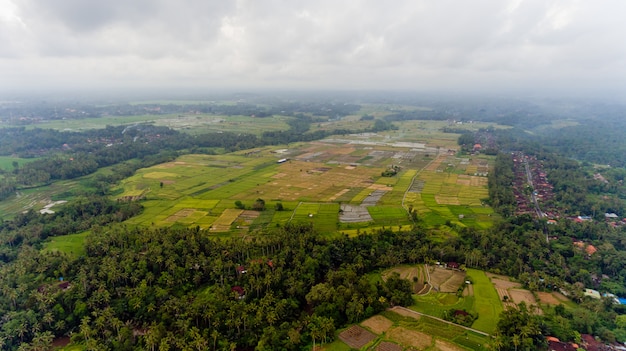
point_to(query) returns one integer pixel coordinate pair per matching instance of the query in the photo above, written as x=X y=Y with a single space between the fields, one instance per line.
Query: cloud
x=406 y=44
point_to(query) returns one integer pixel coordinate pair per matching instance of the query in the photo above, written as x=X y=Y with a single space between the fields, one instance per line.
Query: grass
x=6 y=162
x=487 y=301
x=435 y=304
x=72 y=244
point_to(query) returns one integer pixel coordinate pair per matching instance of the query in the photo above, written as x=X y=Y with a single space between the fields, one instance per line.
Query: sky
x=556 y=47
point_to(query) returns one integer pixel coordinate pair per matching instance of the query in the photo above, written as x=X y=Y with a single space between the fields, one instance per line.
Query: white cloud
x=422 y=44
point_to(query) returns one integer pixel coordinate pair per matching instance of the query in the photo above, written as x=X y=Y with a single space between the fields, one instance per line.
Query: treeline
x=29 y=113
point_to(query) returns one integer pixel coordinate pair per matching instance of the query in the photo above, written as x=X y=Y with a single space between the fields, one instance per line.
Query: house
x=452 y=265
x=241 y=270
x=592 y=293
x=240 y=294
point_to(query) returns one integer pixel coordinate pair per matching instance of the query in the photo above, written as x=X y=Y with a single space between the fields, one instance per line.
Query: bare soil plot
x=442 y=345
x=521 y=295
x=409 y=337
x=356 y=337
x=453 y=283
x=548 y=298
x=388 y=346
x=378 y=324
x=446 y=280
x=505 y=284
x=505 y=296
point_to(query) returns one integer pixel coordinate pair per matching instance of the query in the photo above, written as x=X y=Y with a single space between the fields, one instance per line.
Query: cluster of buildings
x=531 y=187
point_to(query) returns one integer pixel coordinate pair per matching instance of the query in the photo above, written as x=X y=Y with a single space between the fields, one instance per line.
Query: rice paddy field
x=312 y=183
x=486 y=301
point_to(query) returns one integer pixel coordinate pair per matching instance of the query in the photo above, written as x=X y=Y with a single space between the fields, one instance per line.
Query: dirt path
x=406 y=311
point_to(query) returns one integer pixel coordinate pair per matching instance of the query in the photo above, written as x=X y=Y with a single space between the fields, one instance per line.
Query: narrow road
x=439 y=319
x=529 y=177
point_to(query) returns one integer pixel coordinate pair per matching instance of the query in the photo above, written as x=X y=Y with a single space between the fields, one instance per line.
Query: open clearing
x=72 y=244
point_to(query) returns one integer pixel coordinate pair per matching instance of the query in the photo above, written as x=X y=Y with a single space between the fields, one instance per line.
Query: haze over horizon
x=554 y=48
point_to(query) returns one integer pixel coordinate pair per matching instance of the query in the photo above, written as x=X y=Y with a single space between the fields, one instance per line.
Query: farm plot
x=410 y=337
x=377 y=324
x=356 y=337
x=553 y=298
x=441 y=192
x=487 y=302
x=323 y=216
x=445 y=280
x=223 y=223
x=388 y=346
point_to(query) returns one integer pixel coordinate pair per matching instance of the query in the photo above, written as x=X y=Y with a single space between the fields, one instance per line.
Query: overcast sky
x=557 y=47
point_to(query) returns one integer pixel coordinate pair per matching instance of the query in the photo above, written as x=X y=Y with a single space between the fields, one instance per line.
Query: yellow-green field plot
x=452 y=189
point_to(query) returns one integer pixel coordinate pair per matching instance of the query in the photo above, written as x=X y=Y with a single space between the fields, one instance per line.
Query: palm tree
x=517 y=340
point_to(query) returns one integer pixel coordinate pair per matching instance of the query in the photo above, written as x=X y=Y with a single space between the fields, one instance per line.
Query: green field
x=6 y=162
x=487 y=303
x=435 y=304
x=72 y=244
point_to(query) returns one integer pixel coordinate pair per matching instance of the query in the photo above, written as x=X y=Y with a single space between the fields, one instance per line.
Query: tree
x=259 y=205
x=239 y=205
